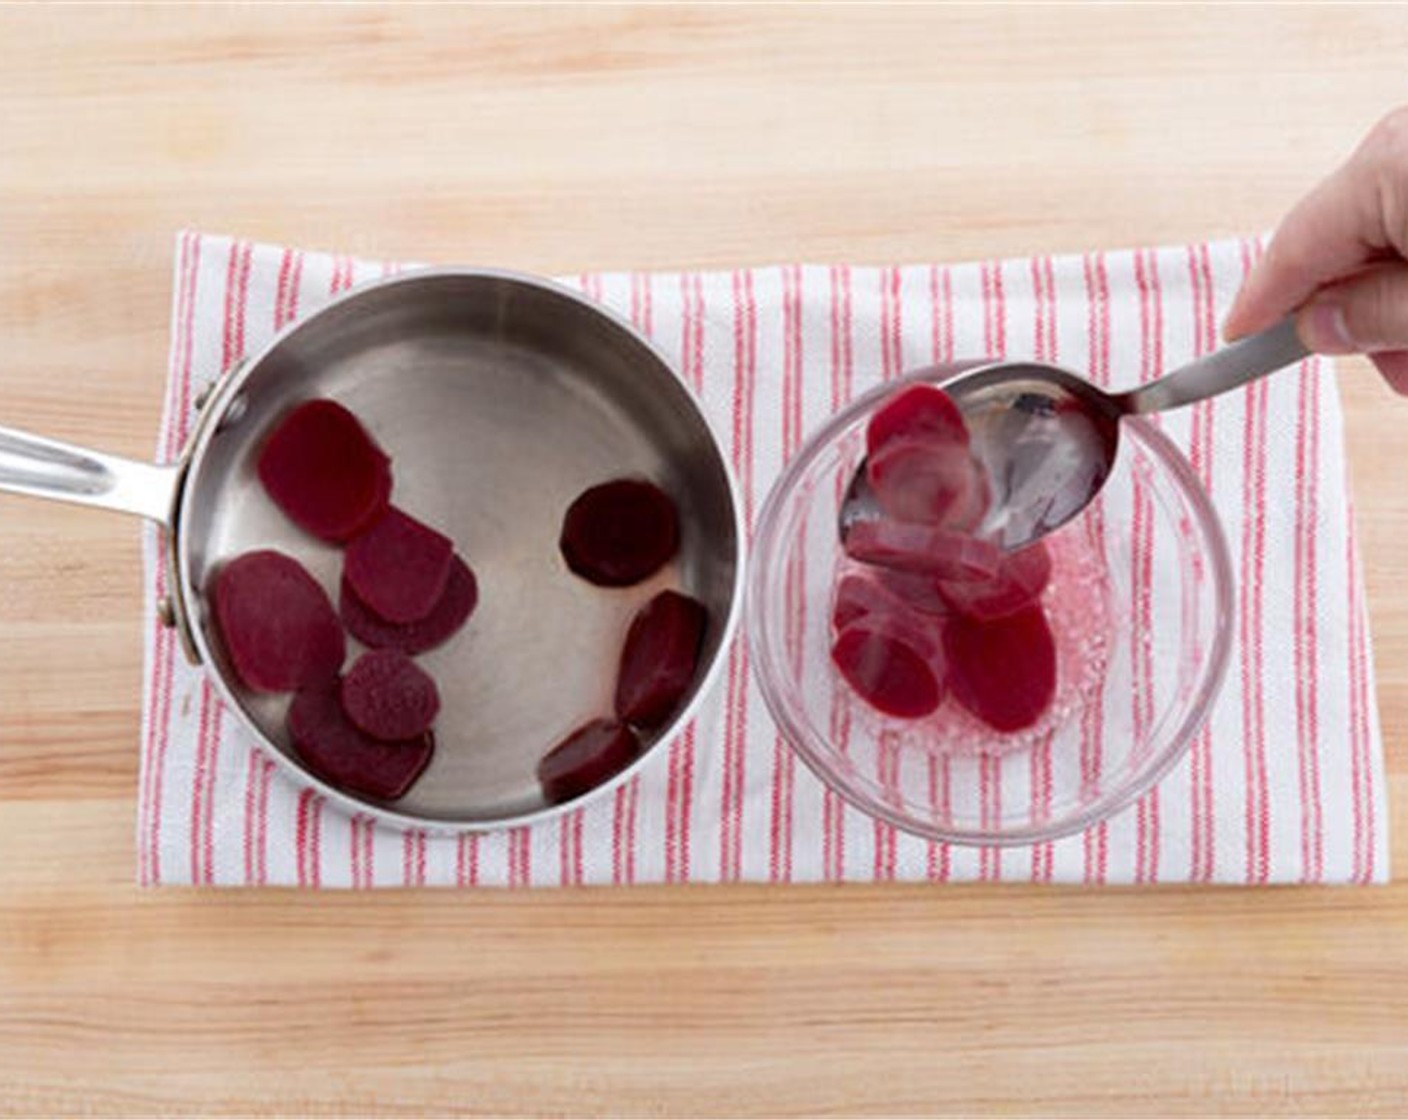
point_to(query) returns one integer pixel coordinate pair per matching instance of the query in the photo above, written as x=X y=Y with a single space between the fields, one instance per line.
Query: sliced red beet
x=918 y=411
x=918 y=592
x=924 y=549
x=929 y=481
x=334 y=749
x=448 y=615
x=324 y=471
x=895 y=667
x=399 y=566
x=1018 y=582
x=593 y=754
x=389 y=697
x=1002 y=670
x=277 y=622
x=659 y=658
x=620 y=532
x=858 y=596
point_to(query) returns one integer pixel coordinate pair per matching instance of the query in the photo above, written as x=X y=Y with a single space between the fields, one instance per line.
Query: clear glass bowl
x=1141 y=603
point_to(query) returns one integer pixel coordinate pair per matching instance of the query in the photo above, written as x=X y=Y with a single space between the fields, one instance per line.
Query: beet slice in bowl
x=324 y=471
x=452 y=611
x=399 y=566
x=620 y=532
x=858 y=595
x=277 y=623
x=659 y=658
x=1002 y=670
x=919 y=592
x=594 y=753
x=389 y=697
x=894 y=666
x=923 y=549
x=334 y=749
x=1018 y=582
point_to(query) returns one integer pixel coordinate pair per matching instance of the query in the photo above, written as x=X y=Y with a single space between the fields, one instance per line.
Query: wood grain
x=556 y=139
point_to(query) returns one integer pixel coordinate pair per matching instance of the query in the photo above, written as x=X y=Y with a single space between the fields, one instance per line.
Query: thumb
x=1365 y=313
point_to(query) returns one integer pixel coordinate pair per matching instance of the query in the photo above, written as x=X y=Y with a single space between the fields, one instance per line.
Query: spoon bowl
x=1048 y=438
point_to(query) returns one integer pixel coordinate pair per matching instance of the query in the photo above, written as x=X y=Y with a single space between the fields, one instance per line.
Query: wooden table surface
x=557 y=139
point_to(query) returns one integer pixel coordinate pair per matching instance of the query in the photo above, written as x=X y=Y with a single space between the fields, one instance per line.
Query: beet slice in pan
x=334 y=749
x=460 y=597
x=659 y=658
x=399 y=566
x=389 y=696
x=324 y=471
x=894 y=666
x=920 y=410
x=929 y=481
x=925 y=549
x=1018 y=582
x=620 y=532
x=591 y=755
x=277 y=622
x=1002 y=670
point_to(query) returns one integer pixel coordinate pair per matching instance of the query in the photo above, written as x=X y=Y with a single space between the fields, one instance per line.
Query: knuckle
x=1377 y=314
x=1379 y=171
x=1387 y=142
x=1292 y=255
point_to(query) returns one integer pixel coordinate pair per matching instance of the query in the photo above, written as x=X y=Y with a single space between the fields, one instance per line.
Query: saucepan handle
x=49 y=468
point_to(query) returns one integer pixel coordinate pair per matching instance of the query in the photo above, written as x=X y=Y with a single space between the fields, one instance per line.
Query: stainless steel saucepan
x=499 y=397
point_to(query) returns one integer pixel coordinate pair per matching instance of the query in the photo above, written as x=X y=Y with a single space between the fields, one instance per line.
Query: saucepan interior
x=499 y=398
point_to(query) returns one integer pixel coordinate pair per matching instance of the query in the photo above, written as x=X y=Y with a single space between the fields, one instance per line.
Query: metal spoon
x=1048 y=437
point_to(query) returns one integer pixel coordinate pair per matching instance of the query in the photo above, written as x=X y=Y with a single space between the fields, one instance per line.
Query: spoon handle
x=1222 y=370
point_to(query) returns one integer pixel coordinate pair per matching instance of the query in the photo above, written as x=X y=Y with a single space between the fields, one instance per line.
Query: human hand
x=1339 y=260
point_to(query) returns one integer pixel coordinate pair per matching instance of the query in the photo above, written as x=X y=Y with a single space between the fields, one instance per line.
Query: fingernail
x=1323 y=329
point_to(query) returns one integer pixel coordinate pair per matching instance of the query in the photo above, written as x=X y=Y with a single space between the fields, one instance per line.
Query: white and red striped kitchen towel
x=1285 y=785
